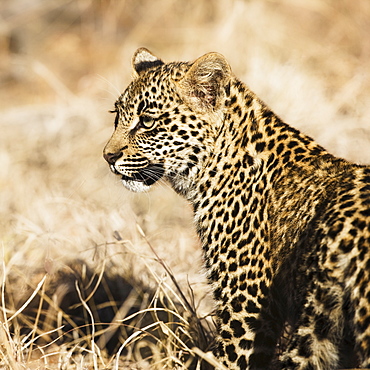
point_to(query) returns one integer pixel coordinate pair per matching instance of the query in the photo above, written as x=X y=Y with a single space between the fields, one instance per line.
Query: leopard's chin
x=141 y=180
x=135 y=186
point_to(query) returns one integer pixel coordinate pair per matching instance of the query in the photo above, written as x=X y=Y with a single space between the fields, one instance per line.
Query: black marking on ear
x=143 y=60
x=144 y=66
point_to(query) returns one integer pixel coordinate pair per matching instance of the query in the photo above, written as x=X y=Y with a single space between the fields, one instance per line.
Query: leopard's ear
x=143 y=60
x=203 y=86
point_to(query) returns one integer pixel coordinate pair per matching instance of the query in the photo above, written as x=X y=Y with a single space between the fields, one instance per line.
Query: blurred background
x=63 y=63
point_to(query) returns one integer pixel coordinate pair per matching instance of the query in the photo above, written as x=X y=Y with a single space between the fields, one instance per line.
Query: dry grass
x=74 y=264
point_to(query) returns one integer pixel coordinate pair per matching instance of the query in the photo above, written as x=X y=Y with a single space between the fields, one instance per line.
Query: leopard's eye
x=141 y=124
x=146 y=121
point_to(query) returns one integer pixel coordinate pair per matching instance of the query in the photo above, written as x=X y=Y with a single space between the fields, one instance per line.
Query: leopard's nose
x=111 y=158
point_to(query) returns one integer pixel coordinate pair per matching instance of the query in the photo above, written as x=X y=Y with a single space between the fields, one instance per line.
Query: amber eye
x=146 y=121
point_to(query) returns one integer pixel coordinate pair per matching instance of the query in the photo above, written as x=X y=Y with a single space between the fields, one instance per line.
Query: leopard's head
x=167 y=120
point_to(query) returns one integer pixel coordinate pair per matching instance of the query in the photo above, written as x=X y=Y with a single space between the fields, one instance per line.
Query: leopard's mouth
x=146 y=176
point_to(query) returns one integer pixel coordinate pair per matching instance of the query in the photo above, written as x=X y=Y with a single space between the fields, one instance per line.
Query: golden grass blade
x=132 y=338
x=208 y=356
x=39 y=285
x=87 y=308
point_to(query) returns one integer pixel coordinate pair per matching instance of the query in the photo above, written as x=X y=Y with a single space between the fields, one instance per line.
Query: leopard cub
x=284 y=225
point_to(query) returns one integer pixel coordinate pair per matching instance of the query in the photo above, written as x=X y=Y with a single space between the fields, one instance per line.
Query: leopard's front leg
x=249 y=319
x=249 y=323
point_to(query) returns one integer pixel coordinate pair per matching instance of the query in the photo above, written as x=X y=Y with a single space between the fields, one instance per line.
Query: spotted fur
x=284 y=225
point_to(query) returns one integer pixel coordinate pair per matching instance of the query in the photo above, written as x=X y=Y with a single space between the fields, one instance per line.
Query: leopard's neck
x=256 y=155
